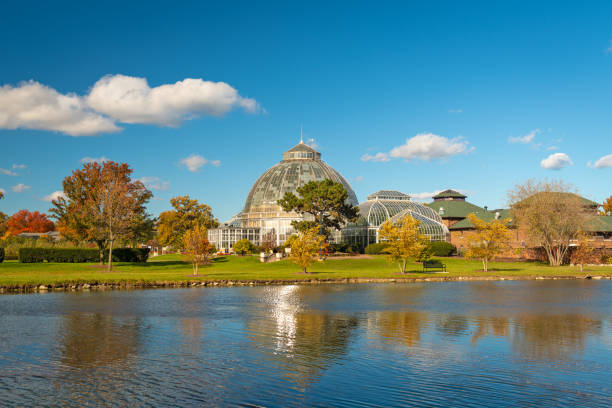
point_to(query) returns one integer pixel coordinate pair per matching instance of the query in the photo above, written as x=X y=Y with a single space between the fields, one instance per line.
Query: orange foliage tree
x=26 y=221
x=607 y=206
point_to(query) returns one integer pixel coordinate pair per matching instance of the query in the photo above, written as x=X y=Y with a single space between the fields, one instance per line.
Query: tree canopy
x=305 y=247
x=607 y=206
x=403 y=240
x=186 y=215
x=197 y=246
x=26 y=221
x=101 y=204
x=489 y=240
x=325 y=201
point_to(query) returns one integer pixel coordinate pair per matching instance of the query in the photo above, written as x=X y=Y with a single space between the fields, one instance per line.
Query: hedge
x=1 y=255
x=374 y=249
x=80 y=255
x=442 y=248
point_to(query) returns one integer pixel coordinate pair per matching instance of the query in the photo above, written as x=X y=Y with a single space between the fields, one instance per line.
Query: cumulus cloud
x=112 y=99
x=556 y=161
x=88 y=159
x=132 y=100
x=54 y=196
x=194 y=162
x=7 y=172
x=424 y=195
x=428 y=146
x=32 y=105
x=605 y=161
x=20 y=188
x=378 y=157
x=525 y=139
x=155 y=183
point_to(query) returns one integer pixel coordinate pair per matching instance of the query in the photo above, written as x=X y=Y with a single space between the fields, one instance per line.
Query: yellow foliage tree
x=583 y=253
x=607 y=206
x=305 y=247
x=404 y=240
x=489 y=240
x=197 y=247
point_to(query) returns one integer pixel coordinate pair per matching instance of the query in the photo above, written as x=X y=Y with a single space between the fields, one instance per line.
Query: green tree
x=186 y=215
x=404 y=240
x=489 y=240
x=305 y=247
x=244 y=246
x=325 y=201
x=100 y=204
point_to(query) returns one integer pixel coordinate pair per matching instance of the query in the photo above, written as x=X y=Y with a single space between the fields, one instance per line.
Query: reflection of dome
x=392 y=205
x=300 y=165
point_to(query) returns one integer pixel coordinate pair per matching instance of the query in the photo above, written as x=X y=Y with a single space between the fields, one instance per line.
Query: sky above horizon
x=200 y=99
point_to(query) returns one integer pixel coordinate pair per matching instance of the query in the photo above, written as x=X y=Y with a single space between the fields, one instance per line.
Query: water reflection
x=401 y=327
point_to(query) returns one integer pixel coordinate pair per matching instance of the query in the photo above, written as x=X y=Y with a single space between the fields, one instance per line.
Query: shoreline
x=138 y=285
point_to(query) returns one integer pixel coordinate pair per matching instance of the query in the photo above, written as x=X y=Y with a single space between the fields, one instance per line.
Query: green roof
x=601 y=223
x=449 y=194
x=487 y=216
x=454 y=209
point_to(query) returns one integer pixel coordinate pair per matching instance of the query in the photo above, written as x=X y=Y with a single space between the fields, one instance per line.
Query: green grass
x=173 y=268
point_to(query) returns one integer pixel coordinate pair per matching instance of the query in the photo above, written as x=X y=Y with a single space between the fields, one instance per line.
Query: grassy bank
x=171 y=268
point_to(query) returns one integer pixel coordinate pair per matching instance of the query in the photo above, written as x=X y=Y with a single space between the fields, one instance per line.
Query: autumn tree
x=607 y=206
x=583 y=251
x=101 y=204
x=551 y=215
x=305 y=247
x=243 y=246
x=186 y=215
x=488 y=240
x=197 y=246
x=26 y=221
x=404 y=240
x=326 y=202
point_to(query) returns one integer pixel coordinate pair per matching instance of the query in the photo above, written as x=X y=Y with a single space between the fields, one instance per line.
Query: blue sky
x=414 y=97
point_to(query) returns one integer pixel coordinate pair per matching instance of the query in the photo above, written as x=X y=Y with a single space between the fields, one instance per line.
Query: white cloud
x=455 y=110
x=7 y=172
x=54 y=196
x=312 y=143
x=556 y=161
x=525 y=139
x=19 y=166
x=194 y=162
x=428 y=146
x=3 y=191
x=88 y=159
x=155 y=183
x=359 y=179
x=20 y=188
x=216 y=163
x=424 y=195
x=549 y=148
x=605 y=161
x=378 y=157
x=32 y=105
x=132 y=100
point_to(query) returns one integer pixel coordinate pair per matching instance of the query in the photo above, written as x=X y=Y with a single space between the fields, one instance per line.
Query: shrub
x=244 y=246
x=129 y=254
x=374 y=249
x=442 y=248
x=80 y=255
x=1 y=255
x=72 y=255
x=32 y=255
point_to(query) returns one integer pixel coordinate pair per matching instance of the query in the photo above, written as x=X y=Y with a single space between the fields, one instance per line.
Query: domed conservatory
x=263 y=217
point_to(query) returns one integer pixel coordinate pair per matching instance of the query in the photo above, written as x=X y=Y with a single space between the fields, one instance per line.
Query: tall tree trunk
x=110 y=255
x=304 y=270
x=195 y=269
x=101 y=249
x=485 y=264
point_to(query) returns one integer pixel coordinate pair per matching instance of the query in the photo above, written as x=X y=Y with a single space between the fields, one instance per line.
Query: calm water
x=533 y=343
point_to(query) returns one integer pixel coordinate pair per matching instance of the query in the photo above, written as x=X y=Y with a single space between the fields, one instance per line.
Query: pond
x=544 y=343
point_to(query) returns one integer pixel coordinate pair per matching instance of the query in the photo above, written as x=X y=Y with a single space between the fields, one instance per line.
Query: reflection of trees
x=452 y=325
x=486 y=326
x=553 y=337
x=401 y=327
x=304 y=343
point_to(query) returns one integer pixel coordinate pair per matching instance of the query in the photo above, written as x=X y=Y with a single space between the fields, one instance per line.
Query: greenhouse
x=392 y=205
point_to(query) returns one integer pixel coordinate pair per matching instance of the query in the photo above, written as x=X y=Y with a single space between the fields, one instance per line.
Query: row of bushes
x=79 y=255
x=436 y=248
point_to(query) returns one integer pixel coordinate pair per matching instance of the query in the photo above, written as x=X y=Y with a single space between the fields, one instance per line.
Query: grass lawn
x=234 y=268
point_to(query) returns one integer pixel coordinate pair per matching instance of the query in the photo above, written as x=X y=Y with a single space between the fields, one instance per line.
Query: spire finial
x=301 y=135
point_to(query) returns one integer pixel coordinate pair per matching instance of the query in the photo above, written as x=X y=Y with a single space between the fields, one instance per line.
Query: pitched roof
x=487 y=216
x=449 y=194
x=388 y=195
x=601 y=223
x=454 y=209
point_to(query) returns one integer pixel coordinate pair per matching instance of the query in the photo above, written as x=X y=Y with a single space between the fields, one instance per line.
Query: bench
x=433 y=265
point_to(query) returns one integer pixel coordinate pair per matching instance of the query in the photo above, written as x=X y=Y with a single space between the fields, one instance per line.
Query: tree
x=489 y=240
x=26 y=221
x=403 y=240
x=187 y=214
x=325 y=201
x=268 y=241
x=607 y=206
x=551 y=214
x=305 y=247
x=583 y=252
x=101 y=205
x=243 y=247
x=197 y=246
